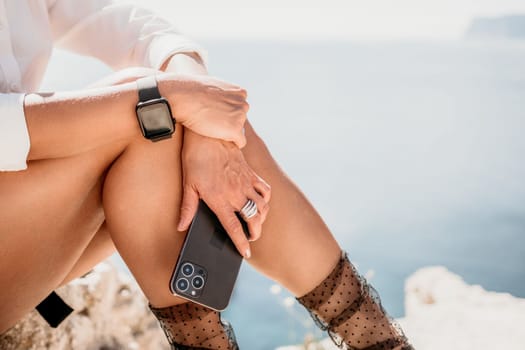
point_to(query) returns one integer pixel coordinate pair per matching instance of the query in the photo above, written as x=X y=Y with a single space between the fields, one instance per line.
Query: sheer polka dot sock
x=351 y=311
x=190 y=326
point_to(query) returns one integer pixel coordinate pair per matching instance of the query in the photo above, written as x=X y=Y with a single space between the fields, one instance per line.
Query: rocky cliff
x=110 y=313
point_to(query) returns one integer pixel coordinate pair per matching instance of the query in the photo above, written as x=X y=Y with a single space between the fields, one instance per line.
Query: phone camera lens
x=187 y=269
x=197 y=282
x=182 y=284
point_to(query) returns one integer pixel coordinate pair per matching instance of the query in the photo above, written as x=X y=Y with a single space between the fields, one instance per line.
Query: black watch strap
x=148 y=89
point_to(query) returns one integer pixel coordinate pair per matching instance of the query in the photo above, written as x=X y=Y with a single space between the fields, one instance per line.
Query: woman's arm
x=67 y=123
x=64 y=124
x=118 y=33
x=185 y=63
x=217 y=172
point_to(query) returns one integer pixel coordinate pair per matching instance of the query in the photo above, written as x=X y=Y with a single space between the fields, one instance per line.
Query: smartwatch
x=153 y=111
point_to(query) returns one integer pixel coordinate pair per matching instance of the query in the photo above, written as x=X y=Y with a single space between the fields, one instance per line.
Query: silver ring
x=249 y=209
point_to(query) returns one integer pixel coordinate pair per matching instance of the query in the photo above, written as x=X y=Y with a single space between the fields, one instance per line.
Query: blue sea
x=413 y=153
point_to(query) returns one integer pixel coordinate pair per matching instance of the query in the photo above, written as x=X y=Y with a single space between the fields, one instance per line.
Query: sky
x=329 y=19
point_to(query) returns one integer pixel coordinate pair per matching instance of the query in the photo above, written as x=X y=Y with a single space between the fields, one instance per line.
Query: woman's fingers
x=226 y=215
x=236 y=128
x=207 y=106
x=262 y=188
x=188 y=208
x=256 y=221
x=255 y=227
x=217 y=172
x=239 y=139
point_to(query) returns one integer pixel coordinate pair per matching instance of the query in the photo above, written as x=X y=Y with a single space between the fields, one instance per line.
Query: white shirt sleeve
x=14 y=139
x=119 y=34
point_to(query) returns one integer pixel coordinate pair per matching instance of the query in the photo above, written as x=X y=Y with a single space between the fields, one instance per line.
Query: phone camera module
x=190 y=279
x=197 y=282
x=187 y=269
x=182 y=284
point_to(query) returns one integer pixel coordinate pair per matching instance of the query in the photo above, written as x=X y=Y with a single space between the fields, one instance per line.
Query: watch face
x=155 y=119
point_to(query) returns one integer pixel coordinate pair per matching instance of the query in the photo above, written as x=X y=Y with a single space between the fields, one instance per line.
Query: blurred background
x=402 y=121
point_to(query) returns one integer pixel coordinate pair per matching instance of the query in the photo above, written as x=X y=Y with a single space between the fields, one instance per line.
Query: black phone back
x=208 y=263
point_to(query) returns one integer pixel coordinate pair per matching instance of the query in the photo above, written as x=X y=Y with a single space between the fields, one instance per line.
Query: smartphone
x=208 y=262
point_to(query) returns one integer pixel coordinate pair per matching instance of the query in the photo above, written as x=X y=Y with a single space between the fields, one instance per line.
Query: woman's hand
x=216 y=171
x=206 y=105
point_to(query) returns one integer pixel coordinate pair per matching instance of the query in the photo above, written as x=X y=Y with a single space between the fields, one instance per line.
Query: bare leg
x=101 y=246
x=145 y=235
x=141 y=197
x=49 y=214
x=141 y=202
x=98 y=249
x=296 y=248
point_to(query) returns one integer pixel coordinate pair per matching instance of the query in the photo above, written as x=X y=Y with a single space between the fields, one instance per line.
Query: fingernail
x=248 y=254
x=180 y=226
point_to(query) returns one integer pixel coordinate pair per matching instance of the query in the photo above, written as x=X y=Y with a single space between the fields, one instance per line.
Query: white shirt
x=119 y=34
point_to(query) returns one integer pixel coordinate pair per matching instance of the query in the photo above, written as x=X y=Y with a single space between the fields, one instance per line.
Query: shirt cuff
x=164 y=46
x=14 y=138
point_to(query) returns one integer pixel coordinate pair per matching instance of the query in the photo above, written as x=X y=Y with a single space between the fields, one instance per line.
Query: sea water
x=413 y=153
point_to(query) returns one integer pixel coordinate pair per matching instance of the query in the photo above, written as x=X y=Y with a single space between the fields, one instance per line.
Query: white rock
x=110 y=313
x=443 y=312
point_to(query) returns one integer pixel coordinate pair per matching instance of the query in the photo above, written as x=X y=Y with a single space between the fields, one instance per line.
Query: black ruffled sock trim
x=344 y=304
x=179 y=322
